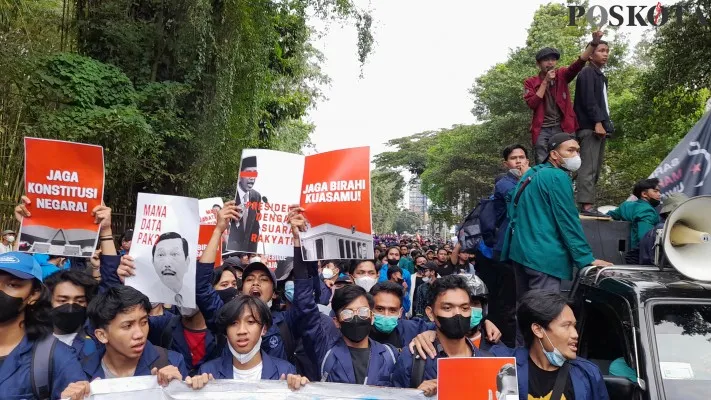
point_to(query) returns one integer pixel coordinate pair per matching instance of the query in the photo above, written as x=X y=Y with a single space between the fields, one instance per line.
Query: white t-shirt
x=66 y=339
x=5 y=249
x=253 y=374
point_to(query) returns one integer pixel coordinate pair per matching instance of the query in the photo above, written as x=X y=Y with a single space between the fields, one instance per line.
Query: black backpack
x=480 y=224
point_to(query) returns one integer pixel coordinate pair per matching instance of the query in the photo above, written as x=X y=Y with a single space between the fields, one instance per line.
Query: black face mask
x=455 y=327
x=654 y=202
x=227 y=294
x=400 y=281
x=356 y=329
x=68 y=317
x=10 y=307
x=392 y=262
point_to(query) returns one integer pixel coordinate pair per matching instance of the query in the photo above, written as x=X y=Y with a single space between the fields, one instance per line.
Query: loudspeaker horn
x=686 y=240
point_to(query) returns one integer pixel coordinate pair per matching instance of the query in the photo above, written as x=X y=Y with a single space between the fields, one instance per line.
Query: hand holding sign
x=230 y=212
x=597 y=36
x=21 y=210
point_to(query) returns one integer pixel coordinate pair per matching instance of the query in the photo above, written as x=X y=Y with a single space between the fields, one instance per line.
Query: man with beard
x=170 y=260
x=243 y=230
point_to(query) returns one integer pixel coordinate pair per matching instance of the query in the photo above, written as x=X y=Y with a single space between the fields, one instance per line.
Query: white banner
x=147 y=388
x=164 y=247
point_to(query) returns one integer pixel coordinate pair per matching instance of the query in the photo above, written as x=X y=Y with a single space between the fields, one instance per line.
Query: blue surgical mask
x=289 y=291
x=385 y=324
x=477 y=316
x=555 y=357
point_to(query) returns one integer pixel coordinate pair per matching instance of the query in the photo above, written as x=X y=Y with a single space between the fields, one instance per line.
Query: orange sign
x=64 y=182
x=492 y=378
x=204 y=238
x=336 y=189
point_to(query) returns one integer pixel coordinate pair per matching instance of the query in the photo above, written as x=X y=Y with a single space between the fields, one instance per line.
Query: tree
x=386 y=191
x=407 y=221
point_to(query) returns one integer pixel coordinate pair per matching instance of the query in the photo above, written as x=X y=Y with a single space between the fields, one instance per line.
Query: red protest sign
x=64 y=182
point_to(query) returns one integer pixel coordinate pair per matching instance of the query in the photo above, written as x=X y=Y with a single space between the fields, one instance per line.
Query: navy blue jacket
x=325 y=293
x=402 y=374
x=15 y=373
x=272 y=368
x=407 y=329
x=586 y=377
x=325 y=343
x=92 y=364
x=108 y=265
x=158 y=323
x=84 y=344
x=209 y=302
x=501 y=190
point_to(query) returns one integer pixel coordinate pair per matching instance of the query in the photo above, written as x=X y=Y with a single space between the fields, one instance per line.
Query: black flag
x=686 y=169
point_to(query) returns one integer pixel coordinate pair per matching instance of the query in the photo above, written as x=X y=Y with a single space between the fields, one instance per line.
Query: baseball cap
x=259 y=266
x=345 y=279
x=547 y=52
x=556 y=140
x=429 y=265
x=234 y=262
x=673 y=201
x=21 y=265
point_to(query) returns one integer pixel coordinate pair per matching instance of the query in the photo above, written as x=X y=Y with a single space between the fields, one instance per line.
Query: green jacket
x=545 y=233
x=641 y=215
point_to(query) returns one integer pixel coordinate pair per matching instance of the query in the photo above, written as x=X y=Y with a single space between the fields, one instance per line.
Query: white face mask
x=571 y=164
x=10 y=239
x=366 y=282
x=245 y=358
x=426 y=279
x=327 y=273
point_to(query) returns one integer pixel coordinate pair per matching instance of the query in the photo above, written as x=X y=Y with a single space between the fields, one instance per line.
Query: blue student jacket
x=502 y=188
x=92 y=364
x=209 y=302
x=324 y=343
x=158 y=323
x=272 y=368
x=325 y=293
x=108 y=267
x=15 y=382
x=407 y=329
x=586 y=377
x=84 y=344
x=402 y=374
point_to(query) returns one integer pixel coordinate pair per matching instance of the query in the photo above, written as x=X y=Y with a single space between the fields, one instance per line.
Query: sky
x=425 y=59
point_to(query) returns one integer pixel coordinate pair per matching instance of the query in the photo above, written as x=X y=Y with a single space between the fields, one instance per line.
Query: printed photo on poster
x=495 y=378
x=165 y=247
x=268 y=182
x=63 y=192
x=336 y=196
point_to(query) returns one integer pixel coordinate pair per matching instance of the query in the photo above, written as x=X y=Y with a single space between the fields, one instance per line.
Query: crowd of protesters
x=363 y=321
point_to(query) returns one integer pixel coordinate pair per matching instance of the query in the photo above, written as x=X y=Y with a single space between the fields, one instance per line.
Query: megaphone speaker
x=686 y=238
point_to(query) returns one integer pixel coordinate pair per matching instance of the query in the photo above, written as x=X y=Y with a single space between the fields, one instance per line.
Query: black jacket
x=589 y=102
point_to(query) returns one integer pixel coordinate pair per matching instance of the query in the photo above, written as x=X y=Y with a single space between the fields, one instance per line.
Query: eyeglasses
x=348 y=314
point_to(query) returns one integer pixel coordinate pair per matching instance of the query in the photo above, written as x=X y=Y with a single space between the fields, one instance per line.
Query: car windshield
x=683 y=335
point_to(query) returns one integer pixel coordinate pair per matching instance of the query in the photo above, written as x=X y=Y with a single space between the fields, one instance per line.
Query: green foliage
x=407 y=221
x=386 y=186
x=458 y=165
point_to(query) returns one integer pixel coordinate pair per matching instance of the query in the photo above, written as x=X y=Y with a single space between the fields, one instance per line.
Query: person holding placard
x=244 y=320
x=451 y=311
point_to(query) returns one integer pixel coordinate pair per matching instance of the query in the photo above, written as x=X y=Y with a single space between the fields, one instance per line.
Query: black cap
x=249 y=162
x=233 y=262
x=556 y=140
x=429 y=265
x=262 y=267
x=547 y=52
x=344 y=279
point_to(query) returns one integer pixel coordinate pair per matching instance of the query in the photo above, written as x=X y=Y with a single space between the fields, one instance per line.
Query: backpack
x=480 y=224
x=418 y=371
x=42 y=367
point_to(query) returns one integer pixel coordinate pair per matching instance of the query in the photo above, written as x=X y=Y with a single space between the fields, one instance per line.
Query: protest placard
x=492 y=378
x=147 y=387
x=333 y=188
x=164 y=248
x=64 y=182
x=209 y=208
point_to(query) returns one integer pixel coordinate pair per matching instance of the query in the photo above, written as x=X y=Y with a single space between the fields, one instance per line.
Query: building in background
x=418 y=204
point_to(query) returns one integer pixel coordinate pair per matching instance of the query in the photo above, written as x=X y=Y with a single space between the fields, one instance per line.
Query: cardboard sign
x=333 y=188
x=64 y=182
x=165 y=247
x=208 y=219
x=492 y=378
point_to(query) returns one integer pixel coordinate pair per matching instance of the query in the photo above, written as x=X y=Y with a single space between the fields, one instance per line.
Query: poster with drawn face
x=164 y=248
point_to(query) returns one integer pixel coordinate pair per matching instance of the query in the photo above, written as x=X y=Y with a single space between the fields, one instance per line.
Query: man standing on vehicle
x=548 y=96
x=545 y=238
